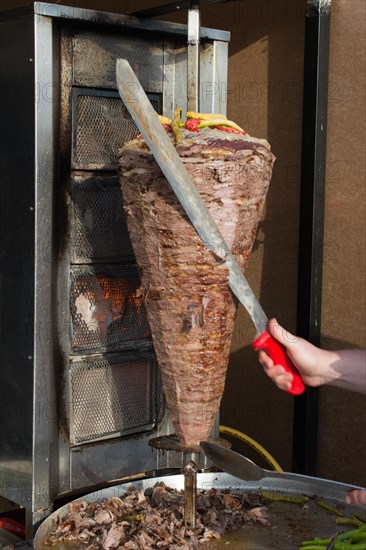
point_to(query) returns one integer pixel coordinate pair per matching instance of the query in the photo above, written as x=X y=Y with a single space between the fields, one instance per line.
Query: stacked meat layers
x=191 y=309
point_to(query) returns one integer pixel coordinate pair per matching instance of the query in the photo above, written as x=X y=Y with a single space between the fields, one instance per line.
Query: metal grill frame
x=37 y=464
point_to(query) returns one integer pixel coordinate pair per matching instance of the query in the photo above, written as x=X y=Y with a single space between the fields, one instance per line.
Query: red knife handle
x=277 y=353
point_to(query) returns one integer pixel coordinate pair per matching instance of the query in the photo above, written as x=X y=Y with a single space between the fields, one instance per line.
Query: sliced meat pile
x=190 y=307
x=154 y=519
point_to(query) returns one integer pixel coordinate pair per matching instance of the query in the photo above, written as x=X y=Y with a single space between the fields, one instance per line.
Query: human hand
x=358 y=497
x=308 y=359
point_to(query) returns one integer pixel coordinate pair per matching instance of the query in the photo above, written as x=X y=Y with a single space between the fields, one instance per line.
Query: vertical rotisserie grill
x=81 y=394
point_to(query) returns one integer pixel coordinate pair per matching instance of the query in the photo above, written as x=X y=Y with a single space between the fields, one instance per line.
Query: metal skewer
x=193 y=58
x=190 y=490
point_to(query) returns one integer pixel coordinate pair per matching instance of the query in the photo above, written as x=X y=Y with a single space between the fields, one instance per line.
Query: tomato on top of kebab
x=196 y=121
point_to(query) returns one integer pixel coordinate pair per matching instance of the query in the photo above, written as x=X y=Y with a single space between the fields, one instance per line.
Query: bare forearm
x=345 y=369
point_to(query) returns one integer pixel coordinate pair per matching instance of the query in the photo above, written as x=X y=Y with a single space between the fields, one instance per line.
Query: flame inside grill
x=107 y=308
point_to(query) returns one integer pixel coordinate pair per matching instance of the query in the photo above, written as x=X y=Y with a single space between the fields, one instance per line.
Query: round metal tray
x=290 y=523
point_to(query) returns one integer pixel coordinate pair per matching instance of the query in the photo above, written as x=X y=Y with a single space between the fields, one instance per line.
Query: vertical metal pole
x=193 y=60
x=189 y=471
x=313 y=166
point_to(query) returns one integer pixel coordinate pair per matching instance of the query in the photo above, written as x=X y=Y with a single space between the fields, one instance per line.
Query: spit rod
x=193 y=58
x=190 y=492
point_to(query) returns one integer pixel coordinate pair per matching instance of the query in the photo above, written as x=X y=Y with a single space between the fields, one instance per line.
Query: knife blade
x=243 y=468
x=147 y=121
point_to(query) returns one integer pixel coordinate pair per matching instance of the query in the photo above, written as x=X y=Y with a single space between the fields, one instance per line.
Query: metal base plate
x=172 y=443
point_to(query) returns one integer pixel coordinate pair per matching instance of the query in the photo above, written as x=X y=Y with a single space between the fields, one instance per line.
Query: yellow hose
x=252 y=443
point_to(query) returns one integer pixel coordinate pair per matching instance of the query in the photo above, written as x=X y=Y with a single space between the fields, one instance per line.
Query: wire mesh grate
x=107 y=309
x=113 y=395
x=101 y=126
x=99 y=230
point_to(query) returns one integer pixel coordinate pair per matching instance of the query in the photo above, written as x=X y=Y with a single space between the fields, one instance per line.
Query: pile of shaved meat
x=153 y=519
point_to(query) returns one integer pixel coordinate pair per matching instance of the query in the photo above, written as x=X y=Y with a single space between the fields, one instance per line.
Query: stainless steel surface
x=171 y=443
x=290 y=523
x=92 y=47
x=51 y=225
x=213 y=77
x=189 y=471
x=116 y=19
x=192 y=456
x=243 y=468
x=193 y=61
x=44 y=425
x=170 y=163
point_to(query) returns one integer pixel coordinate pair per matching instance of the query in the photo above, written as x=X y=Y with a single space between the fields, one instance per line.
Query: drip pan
x=290 y=523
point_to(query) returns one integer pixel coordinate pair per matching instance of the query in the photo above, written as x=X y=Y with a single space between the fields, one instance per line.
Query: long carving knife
x=173 y=168
x=243 y=468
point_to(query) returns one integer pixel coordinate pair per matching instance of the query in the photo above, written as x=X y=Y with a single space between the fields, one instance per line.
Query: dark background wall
x=264 y=96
